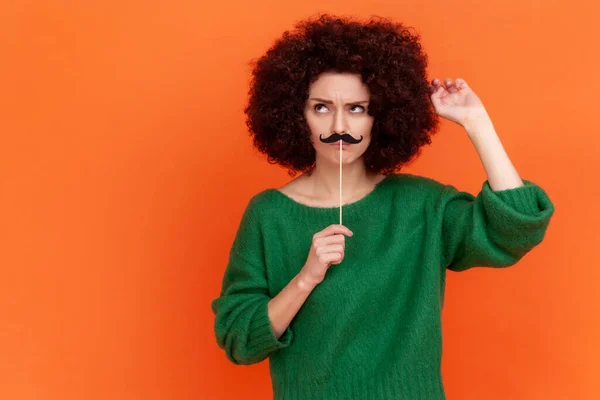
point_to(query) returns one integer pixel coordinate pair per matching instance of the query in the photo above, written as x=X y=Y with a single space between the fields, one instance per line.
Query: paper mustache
x=346 y=137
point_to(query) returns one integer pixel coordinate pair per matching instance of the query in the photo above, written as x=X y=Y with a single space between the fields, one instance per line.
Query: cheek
x=364 y=128
x=317 y=129
x=368 y=124
x=316 y=124
x=312 y=124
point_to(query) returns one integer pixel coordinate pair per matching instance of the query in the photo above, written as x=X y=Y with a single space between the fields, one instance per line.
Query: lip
x=337 y=144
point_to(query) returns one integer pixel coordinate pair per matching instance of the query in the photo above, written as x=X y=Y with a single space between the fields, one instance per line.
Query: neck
x=325 y=179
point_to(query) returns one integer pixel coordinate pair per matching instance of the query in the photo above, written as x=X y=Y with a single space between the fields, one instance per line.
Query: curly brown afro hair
x=391 y=64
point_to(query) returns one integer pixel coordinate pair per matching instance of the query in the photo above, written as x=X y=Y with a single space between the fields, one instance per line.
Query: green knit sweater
x=372 y=328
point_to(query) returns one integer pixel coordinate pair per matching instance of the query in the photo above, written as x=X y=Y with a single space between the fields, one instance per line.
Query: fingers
x=450 y=86
x=461 y=84
x=332 y=230
x=329 y=244
x=327 y=240
x=333 y=258
x=436 y=87
x=334 y=248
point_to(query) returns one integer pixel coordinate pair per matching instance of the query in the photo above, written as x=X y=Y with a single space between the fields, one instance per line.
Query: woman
x=353 y=310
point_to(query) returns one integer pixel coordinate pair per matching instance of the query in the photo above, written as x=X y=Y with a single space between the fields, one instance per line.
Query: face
x=337 y=104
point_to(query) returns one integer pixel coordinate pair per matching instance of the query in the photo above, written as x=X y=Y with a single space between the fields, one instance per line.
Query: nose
x=339 y=122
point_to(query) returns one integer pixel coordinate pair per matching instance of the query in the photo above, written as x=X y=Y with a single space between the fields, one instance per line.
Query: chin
x=348 y=156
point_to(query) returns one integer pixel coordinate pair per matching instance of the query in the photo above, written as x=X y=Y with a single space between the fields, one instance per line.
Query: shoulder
x=423 y=184
x=254 y=212
x=262 y=203
x=416 y=191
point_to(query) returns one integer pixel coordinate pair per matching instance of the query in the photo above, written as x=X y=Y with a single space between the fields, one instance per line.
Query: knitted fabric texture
x=372 y=329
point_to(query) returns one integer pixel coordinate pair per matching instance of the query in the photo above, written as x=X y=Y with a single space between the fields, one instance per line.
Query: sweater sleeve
x=242 y=325
x=494 y=228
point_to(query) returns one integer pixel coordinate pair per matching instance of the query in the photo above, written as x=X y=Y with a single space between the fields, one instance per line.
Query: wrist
x=304 y=283
x=479 y=126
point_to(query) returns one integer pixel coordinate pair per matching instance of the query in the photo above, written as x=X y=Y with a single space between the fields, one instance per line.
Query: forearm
x=285 y=305
x=501 y=173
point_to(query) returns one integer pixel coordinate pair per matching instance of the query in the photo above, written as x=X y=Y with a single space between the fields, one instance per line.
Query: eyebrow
x=331 y=102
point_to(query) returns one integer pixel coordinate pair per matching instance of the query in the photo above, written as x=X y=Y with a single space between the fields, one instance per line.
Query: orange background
x=125 y=167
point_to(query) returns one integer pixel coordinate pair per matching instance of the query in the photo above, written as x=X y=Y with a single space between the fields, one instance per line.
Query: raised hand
x=456 y=101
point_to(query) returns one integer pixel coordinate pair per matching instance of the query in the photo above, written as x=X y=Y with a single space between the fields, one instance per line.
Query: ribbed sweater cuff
x=401 y=382
x=261 y=337
x=515 y=211
x=522 y=199
x=529 y=200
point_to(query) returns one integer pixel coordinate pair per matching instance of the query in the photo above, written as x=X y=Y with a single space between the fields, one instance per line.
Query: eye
x=361 y=107
x=318 y=105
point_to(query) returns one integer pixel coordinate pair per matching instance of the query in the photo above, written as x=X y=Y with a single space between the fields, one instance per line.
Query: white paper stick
x=340 y=182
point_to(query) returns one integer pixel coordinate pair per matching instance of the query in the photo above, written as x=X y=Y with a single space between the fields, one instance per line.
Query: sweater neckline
x=294 y=207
